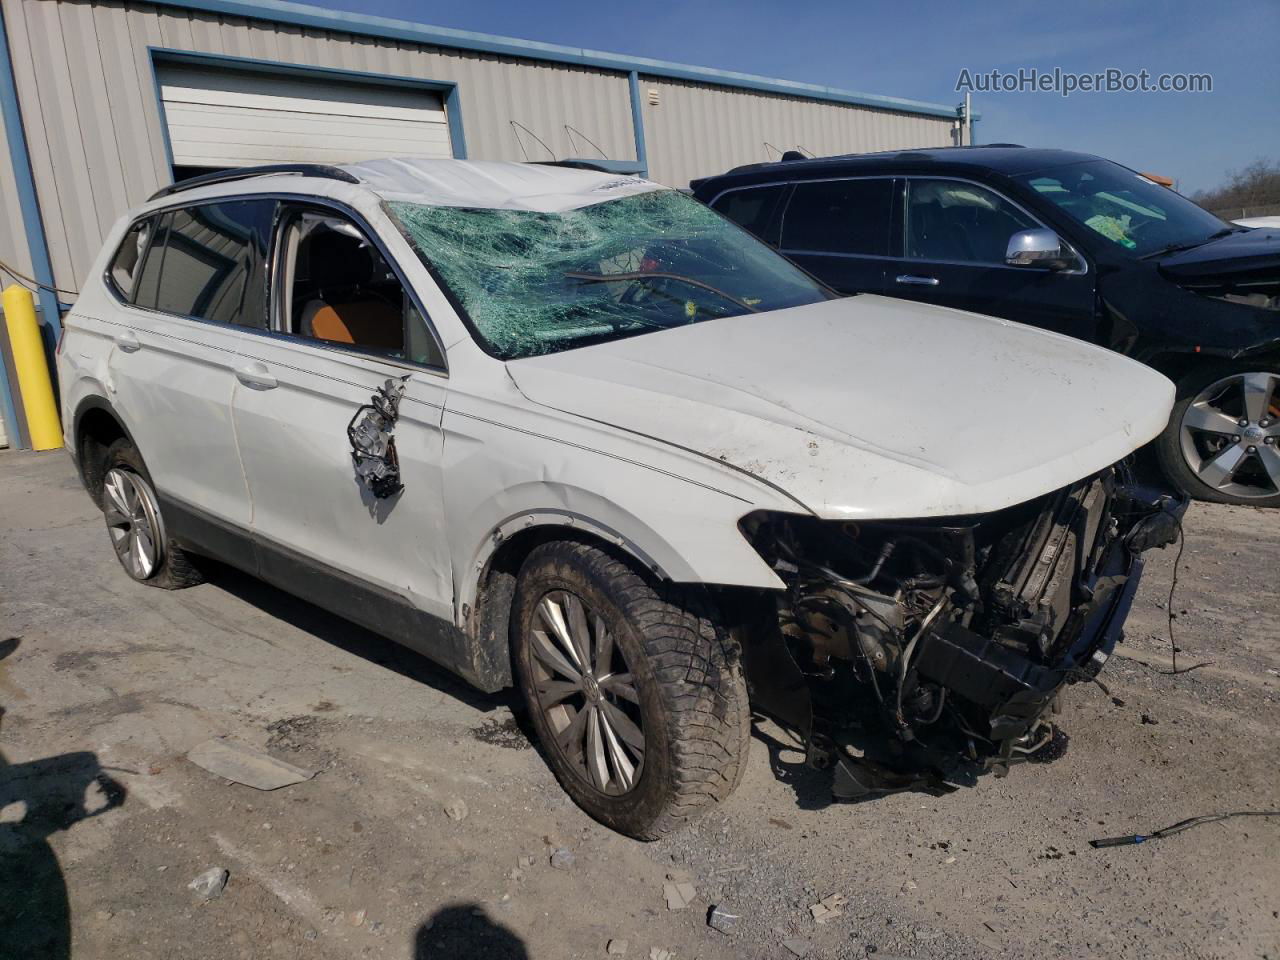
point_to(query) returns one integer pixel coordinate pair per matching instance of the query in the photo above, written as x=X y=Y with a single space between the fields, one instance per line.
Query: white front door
x=345 y=327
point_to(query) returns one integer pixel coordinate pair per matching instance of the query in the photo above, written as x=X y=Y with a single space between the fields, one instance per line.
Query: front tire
x=1223 y=439
x=635 y=690
x=135 y=526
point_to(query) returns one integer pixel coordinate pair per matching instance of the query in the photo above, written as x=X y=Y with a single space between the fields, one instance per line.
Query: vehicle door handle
x=256 y=375
x=128 y=341
x=918 y=281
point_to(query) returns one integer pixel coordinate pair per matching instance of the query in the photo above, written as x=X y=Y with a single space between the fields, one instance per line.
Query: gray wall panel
x=13 y=237
x=698 y=130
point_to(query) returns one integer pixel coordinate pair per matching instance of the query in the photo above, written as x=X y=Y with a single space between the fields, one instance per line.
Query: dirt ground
x=103 y=822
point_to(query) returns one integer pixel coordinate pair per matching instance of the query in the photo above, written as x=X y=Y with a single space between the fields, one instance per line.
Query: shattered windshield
x=534 y=283
x=1134 y=213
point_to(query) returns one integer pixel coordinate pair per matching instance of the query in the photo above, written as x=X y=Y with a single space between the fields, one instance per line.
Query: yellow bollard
x=32 y=368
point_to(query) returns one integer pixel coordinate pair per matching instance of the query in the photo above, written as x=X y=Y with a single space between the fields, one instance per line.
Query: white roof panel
x=492 y=184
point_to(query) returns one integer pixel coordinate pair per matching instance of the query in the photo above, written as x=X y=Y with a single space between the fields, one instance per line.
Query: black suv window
x=751 y=208
x=951 y=220
x=207 y=261
x=839 y=216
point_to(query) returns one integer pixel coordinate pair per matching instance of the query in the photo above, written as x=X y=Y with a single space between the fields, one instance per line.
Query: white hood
x=870 y=407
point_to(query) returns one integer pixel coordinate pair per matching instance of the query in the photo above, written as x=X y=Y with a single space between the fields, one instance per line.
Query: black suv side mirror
x=1037 y=248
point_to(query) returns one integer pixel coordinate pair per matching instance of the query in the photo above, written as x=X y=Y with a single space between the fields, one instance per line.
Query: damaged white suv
x=577 y=433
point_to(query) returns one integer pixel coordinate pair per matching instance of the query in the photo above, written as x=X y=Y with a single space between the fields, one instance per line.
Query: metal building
x=106 y=101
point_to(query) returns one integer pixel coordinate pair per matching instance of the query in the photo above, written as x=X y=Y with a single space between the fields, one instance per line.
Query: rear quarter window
x=750 y=208
x=123 y=273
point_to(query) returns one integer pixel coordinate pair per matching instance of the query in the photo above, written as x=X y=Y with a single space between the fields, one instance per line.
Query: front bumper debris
x=917 y=656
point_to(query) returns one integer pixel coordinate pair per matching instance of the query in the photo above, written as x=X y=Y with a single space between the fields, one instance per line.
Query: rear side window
x=208 y=262
x=751 y=209
x=839 y=216
x=124 y=269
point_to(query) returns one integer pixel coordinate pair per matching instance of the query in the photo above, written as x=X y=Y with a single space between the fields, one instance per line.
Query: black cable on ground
x=1179 y=827
x=1173 y=586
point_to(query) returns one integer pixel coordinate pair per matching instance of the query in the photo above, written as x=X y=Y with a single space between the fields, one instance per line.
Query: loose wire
x=1173 y=586
x=28 y=282
x=1179 y=827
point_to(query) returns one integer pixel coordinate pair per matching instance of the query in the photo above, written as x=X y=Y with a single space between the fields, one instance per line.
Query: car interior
x=339 y=288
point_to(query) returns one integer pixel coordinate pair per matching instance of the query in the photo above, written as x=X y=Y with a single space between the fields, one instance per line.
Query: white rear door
x=235 y=118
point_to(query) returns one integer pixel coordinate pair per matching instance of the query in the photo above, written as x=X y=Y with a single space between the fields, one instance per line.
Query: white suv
x=578 y=433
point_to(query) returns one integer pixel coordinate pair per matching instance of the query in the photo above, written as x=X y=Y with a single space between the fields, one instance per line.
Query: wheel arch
x=95 y=426
x=485 y=584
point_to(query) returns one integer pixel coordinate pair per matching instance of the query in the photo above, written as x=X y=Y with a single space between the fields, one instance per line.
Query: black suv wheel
x=1223 y=439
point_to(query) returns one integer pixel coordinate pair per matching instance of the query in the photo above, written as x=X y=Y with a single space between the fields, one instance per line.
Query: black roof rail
x=587 y=163
x=324 y=170
x=1017 y=145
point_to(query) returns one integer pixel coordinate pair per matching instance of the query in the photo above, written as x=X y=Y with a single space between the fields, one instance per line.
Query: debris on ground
x=828 y=908
x=241 y=763
x=678 y=890
x=357 y=918
x=797 y=947
x=210 y=884
x=562 y=859
x=657 y=953
x=718 y=918
x=616 y=948
x=526 y=861
x=1149 y=720
x=456 y=809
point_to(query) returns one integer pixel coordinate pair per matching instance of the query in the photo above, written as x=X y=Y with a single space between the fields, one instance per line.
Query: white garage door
x=231 y=118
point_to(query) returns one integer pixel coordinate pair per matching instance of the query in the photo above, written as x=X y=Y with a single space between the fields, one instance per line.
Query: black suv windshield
x=534 y=283
x=1134 y=213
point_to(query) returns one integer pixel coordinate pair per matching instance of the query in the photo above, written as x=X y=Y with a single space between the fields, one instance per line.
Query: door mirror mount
x=1037 y=248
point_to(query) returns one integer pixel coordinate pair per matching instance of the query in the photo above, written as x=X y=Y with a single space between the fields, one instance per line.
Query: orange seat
x=363 y=323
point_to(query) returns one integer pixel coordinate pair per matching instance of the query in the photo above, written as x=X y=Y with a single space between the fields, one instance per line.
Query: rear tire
x=1207 y=453
x=656 y=726
x=135 y=526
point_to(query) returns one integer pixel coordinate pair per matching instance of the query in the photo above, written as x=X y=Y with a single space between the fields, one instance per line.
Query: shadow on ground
x=40 y=798
x=463 y=931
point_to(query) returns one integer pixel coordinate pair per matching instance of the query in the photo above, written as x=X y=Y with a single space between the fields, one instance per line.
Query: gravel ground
x=103 y=822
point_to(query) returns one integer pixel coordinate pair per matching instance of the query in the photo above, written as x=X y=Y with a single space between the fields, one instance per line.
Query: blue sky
x=917 y=50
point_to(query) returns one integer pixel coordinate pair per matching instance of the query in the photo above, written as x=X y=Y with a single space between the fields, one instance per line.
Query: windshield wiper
x=1179 y=247
x=659 y=275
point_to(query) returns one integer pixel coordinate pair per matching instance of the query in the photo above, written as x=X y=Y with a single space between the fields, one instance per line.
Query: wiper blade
x=1171 y=248
x=659 y=275
x=1179 y=247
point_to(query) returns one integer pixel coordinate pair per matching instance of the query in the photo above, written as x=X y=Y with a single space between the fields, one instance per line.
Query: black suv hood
x=1248 y=257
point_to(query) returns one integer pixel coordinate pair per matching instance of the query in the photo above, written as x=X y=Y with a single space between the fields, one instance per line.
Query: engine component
x=918 y=652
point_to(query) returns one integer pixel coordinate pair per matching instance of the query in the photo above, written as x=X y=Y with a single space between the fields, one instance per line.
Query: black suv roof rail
x=240 y=173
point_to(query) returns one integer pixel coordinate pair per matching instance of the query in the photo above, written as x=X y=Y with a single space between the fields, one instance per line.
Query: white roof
x=492 y=184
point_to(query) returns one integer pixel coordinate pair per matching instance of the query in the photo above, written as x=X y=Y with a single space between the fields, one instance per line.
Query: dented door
x=316 y=523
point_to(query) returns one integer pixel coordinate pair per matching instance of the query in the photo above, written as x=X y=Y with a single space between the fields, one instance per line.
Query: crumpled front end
x=916 y=654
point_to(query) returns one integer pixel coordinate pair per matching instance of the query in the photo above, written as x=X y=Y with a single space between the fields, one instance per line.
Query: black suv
x=1060 y=240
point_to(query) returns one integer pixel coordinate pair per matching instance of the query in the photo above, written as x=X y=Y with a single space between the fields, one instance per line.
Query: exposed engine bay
x=916 y=654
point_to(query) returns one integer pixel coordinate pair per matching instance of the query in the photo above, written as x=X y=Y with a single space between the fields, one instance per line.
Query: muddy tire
x=135 y=525
x=634 y=688
x=1223 y=439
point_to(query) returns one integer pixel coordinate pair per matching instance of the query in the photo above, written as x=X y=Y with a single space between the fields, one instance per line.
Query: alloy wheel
x=586 y=693
x=1230 y=435
x=133 y=520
